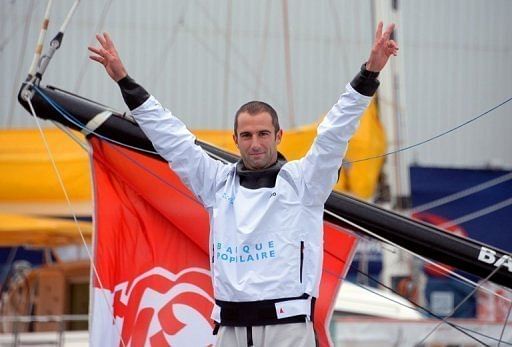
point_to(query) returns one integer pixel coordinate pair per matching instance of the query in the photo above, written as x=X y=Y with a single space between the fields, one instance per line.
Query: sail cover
x=151 y=256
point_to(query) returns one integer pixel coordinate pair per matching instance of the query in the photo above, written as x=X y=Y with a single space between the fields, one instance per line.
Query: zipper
x=301 y=259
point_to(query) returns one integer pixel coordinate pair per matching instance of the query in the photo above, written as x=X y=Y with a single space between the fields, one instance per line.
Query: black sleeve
x=134 y=94
x=365 y=82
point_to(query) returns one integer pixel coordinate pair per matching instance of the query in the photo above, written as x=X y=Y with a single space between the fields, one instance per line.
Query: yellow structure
x=16 y=230
x=27 y=174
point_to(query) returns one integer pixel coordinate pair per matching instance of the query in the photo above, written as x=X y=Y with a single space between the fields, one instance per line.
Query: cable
x=77 y=123
x=417 y=307
x=155 y=73
x=344 y=163
x=459 y=305
x=431 y=138
x=453 y=325
x=504 y=325
x=477 y=214
x=461 y=194
x=59 y=108
x=241 y=56
x=436 y=265
x=68 y=201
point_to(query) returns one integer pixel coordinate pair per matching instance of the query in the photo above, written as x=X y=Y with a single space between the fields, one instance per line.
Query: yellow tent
x=28 y=183
x=18 y=230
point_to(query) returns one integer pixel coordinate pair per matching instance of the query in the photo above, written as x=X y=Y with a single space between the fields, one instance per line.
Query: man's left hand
x=382 y=49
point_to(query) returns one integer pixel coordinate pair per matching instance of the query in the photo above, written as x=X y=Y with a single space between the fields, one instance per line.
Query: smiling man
x=257 y=134
x=266 y=214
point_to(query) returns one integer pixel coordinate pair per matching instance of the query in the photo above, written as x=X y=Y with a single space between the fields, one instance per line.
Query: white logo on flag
x=162 y=308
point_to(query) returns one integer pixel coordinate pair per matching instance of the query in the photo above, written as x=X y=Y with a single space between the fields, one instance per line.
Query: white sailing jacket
x=266 y=243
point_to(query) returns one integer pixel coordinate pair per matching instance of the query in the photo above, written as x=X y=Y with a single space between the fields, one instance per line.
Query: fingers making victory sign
x=382 y=49
x=107 y=56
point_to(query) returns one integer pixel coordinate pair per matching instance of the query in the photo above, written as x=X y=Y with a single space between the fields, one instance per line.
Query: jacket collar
x=264 y=178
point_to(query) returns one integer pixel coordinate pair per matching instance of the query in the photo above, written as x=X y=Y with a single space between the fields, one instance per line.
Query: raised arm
x=321 y=164
x=382 y=49
x=170 y=137
x=107 y=56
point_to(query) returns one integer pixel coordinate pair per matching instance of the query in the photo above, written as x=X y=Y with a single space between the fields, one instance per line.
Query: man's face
x=257 y=140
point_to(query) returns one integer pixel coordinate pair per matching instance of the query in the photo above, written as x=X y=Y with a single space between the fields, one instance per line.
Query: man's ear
x=235 y=139
x=279 y=136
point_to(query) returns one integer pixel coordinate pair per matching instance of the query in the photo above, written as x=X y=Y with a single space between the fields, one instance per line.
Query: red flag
x=151 y=256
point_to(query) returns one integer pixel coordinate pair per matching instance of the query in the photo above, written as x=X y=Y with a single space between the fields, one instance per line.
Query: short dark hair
x=255 y=107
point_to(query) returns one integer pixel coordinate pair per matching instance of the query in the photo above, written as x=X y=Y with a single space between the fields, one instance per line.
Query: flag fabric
x=151 y=282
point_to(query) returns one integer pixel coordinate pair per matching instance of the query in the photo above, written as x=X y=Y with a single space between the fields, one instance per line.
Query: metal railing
x=60 y=319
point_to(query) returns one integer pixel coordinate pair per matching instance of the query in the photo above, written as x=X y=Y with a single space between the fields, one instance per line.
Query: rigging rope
x=155 y=73
x=42 y=64
x=241 y=56
x=417 y=307
x=74 y=121
x=461 y=194
x=505 y=324
x=477 y=214
x=435 y=264
x=452 y=324
x=402 y=149
x=459 y=305
x=72 y=211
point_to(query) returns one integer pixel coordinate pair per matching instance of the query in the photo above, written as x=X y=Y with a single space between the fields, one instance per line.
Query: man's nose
x=255 y=142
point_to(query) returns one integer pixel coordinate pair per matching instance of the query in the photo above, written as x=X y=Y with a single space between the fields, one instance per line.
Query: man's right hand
x=107 y=56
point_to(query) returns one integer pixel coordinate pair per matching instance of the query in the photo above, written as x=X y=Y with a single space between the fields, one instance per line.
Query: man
x=266 y=214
